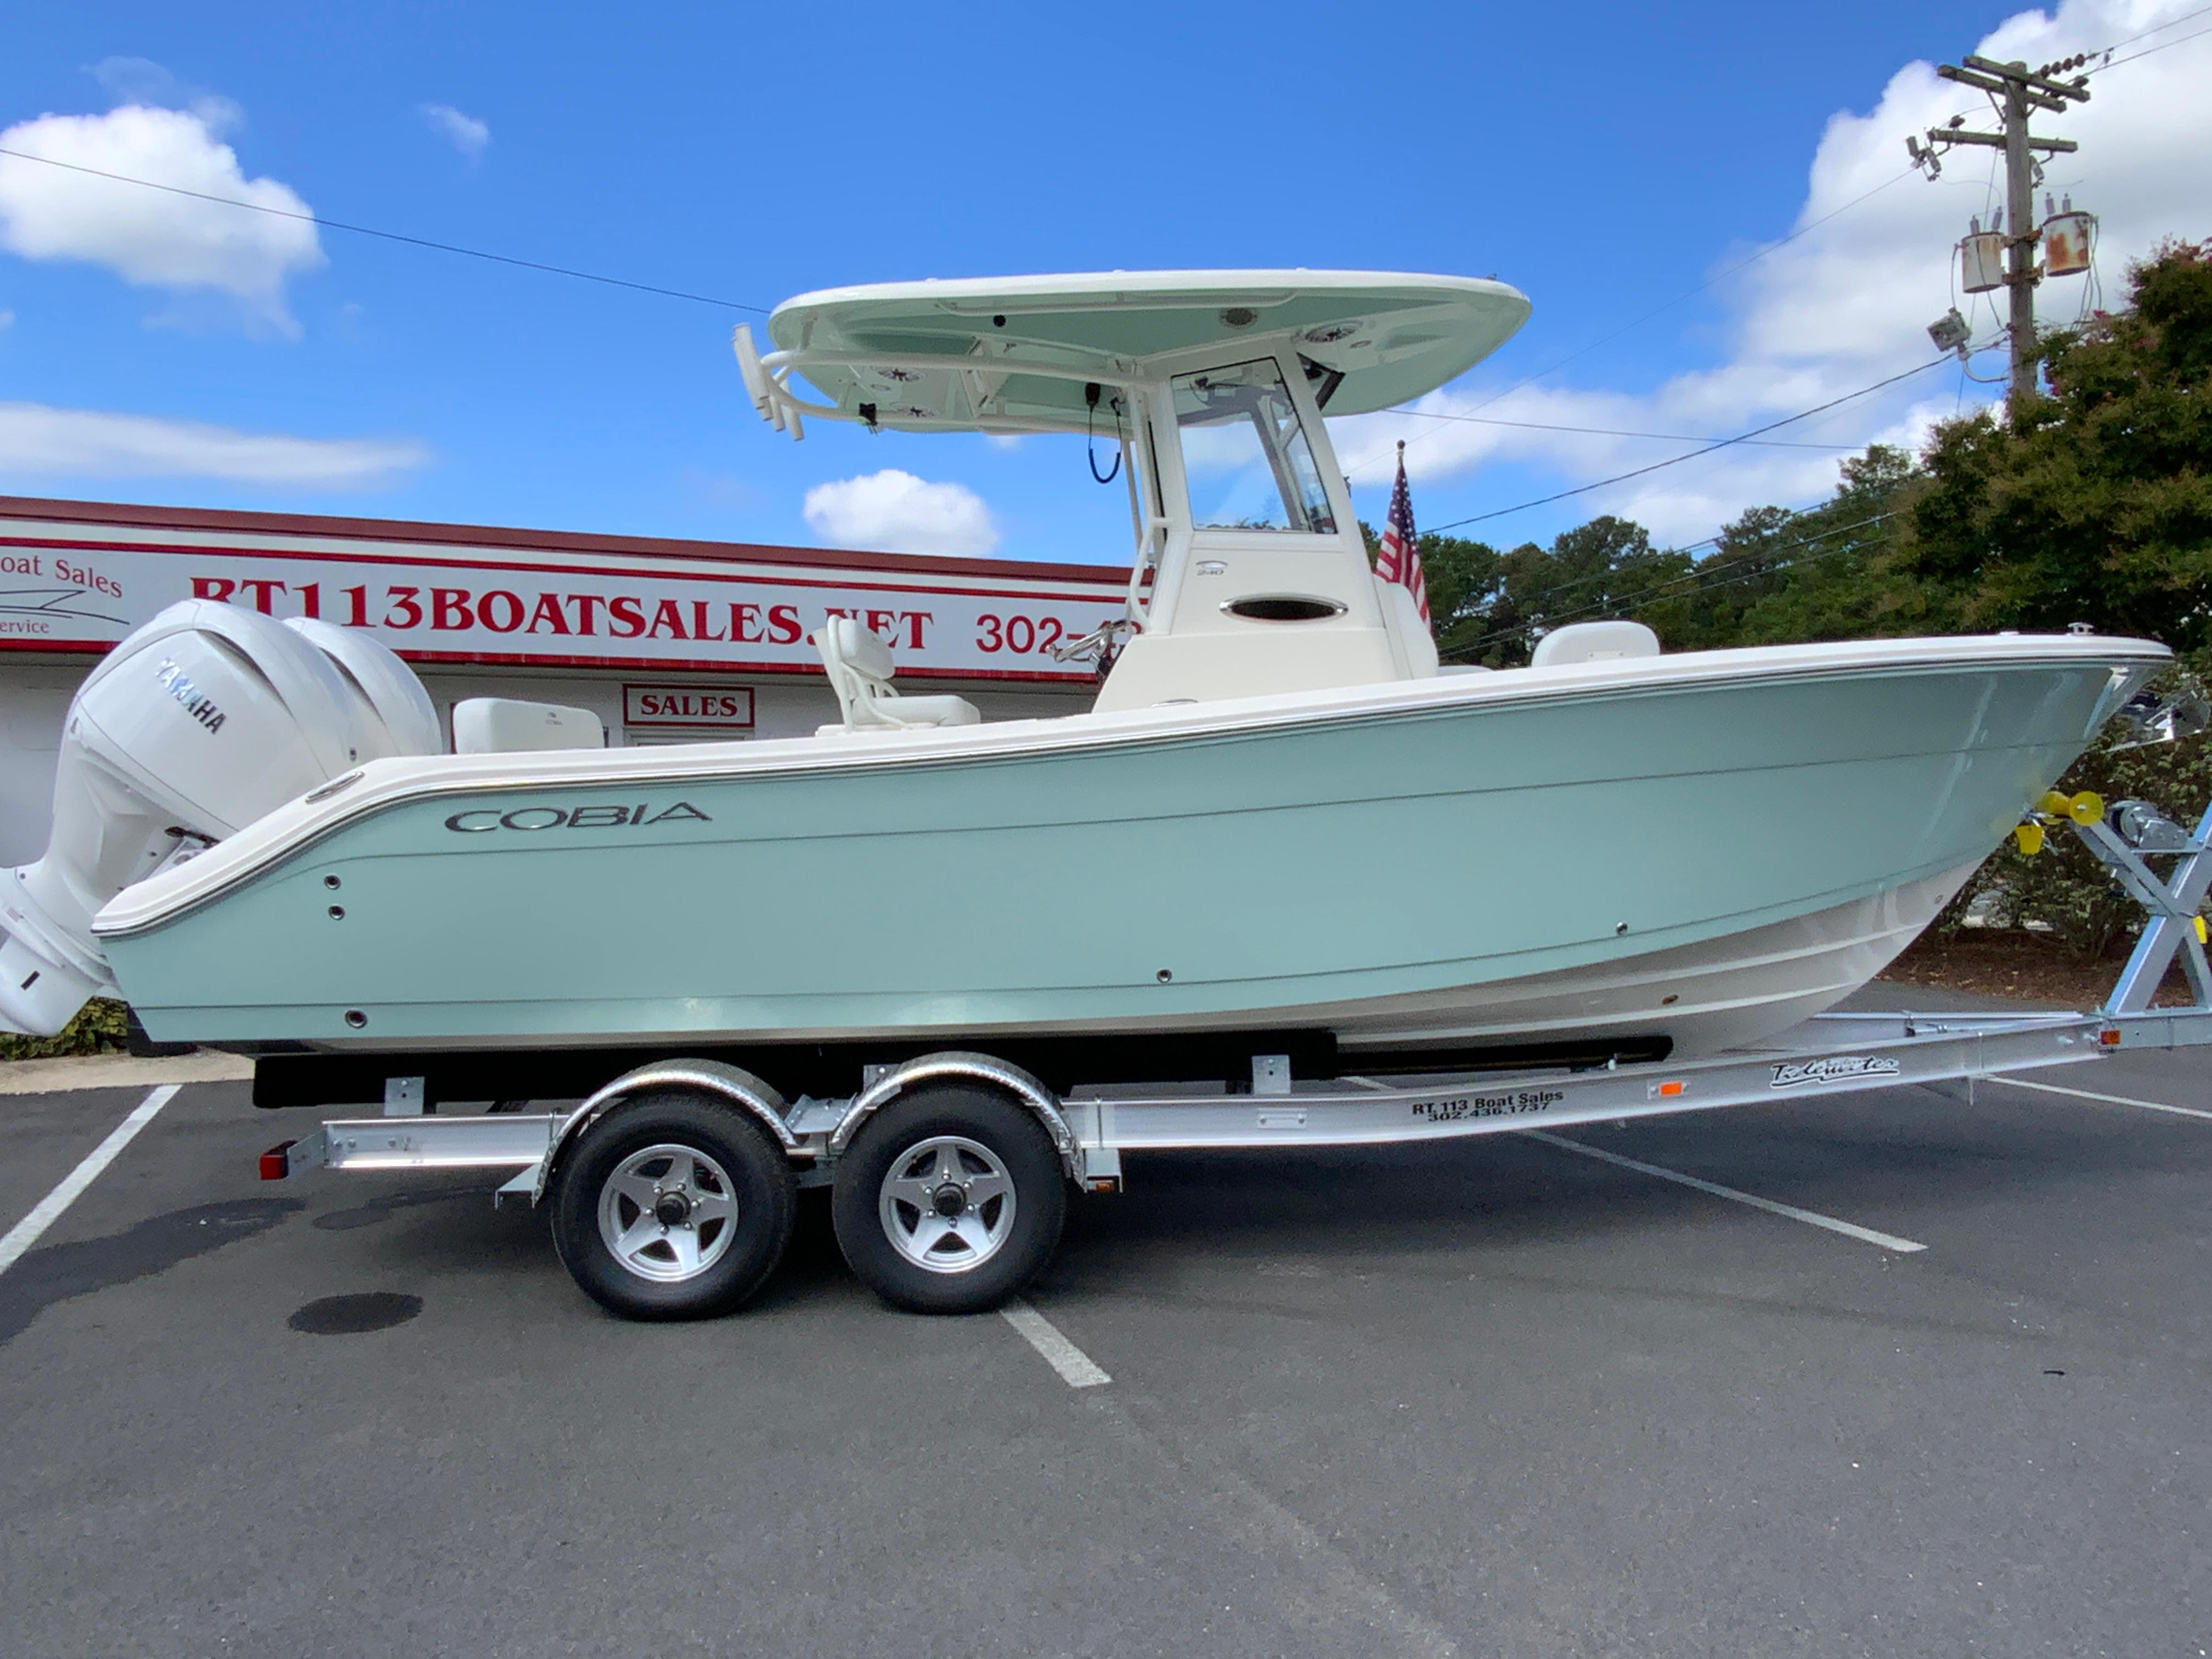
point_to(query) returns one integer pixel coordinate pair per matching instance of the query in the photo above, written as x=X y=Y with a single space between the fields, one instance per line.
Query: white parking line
x=25 y=1232
x=1811 y=1217
x=2110 y=1100
x=1076 y=1368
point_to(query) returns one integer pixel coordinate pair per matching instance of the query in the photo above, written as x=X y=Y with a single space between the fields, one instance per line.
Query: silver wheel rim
x=668 y=1213
x=947 y=1204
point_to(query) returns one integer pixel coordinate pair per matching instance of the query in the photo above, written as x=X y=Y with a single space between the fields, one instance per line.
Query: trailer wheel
x=673 y=1207
x=949 y=1201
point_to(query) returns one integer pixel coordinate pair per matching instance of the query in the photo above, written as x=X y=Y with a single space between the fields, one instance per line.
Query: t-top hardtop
x=1024 y=354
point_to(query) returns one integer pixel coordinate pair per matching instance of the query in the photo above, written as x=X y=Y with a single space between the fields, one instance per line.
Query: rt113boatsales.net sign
x=611 y=613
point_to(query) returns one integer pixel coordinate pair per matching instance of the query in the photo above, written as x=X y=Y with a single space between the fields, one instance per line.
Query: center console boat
x=1284 y=827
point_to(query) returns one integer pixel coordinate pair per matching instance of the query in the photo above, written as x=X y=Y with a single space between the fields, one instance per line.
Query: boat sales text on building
x=574 y=612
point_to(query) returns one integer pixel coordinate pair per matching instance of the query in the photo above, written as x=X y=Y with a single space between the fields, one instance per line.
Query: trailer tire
x=950 y=1199
x=673 y=1207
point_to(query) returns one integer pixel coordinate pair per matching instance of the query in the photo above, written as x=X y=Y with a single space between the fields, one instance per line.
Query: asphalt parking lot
x=1483 y=1398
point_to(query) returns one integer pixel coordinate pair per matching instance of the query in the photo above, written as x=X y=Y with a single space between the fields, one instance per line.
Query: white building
x=665 y=641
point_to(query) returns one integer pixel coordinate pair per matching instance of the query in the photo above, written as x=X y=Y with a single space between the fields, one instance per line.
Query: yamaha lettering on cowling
x=196 y=704
x=485 y=820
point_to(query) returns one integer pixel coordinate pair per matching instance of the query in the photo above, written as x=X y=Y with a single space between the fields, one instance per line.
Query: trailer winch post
x=2173 y=902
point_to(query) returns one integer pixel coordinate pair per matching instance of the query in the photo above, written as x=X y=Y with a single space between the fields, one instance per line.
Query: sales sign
x=719 y=706
x=75 y=586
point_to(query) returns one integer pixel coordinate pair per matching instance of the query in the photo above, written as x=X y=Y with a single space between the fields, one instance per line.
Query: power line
x=1697 y=581
x=390 y=235
x=2155 y=28
x=1698 y=577
x=1676 y=460
x=1635 y=322
x=1610 y=432
x=2193 y=34
x=1525 y=600
x=1751 y=437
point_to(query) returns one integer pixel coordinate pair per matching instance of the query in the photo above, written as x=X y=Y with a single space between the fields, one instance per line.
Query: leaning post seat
x=859 y=667
x=509 y=725
x=1613 y=641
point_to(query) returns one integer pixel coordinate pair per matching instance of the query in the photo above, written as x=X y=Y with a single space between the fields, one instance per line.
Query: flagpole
x=1400 y=557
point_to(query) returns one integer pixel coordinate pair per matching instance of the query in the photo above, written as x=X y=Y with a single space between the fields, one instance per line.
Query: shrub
x=101 y=1027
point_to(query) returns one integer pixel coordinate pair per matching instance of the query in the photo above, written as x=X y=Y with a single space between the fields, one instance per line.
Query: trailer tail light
x=276 y=1162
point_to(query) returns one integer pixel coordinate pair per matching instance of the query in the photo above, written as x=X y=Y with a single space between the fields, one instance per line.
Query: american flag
x=1399 y=559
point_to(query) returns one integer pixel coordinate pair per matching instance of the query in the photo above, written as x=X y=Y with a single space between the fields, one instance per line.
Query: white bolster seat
x=1403 y=616
x=1594 y=641
x=509 y=726
x=859 y=667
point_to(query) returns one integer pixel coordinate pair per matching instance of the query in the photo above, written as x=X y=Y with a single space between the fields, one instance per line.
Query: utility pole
x=2017 y=91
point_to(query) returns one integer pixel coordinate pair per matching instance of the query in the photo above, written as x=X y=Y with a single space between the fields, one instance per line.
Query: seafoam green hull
x=1399 y=858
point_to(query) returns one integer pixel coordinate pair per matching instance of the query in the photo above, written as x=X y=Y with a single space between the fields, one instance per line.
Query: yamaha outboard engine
x=200 y=722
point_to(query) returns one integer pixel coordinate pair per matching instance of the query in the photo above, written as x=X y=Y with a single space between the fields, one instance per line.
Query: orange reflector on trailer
x=2110 y=1036
x=1666 y=1091
x=276 y=1162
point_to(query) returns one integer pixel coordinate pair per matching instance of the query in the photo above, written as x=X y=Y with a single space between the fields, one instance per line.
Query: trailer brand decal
x=180 y=687
x=1509 y=1105
x=1833 y=1069
x=576 y=817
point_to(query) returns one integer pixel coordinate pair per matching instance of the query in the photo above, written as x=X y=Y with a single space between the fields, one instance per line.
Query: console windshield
x=1245 y=453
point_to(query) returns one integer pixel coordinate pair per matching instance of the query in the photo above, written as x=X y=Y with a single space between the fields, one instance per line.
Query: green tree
x=1462 y=578
x=2094 y=505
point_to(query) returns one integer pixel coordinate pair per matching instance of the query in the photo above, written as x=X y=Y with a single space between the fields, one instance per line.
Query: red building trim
x=224 y=521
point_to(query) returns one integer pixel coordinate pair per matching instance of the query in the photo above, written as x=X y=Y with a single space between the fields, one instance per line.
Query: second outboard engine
x=200 y=722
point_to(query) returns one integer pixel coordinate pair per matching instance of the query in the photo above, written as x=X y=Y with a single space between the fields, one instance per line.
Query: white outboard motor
x=404 y=720
x=200 y=722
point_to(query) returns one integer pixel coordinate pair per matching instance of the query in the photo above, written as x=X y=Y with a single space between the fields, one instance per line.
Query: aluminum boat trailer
x=672 y=1189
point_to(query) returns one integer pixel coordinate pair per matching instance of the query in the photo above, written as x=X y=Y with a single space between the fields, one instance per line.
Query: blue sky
x=1603 y=159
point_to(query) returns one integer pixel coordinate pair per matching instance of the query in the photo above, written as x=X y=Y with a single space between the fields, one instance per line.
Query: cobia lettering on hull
x=485 y=820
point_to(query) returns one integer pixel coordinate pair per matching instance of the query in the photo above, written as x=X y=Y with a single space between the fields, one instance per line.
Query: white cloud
x=40 y=441
x=463 y=132
x=142 y=80
x=153 y=238
x=895 y=512
x=1848 y=302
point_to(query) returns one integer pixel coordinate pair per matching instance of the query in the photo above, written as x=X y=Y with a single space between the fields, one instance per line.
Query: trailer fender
x=1001 y=1075
x=728 y=1084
